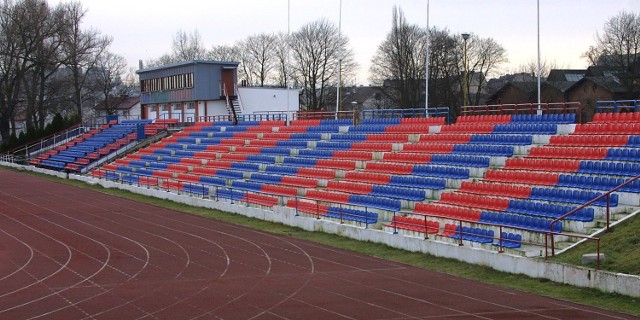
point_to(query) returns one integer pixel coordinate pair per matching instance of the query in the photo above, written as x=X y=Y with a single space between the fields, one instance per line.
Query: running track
x=70 y=253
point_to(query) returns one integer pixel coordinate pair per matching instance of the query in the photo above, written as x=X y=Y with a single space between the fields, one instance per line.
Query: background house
x=126 y=107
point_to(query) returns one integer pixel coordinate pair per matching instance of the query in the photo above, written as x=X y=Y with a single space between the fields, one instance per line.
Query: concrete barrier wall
x=534 y=267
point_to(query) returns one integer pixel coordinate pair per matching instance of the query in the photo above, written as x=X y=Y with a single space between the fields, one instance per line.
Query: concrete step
x=563 y=244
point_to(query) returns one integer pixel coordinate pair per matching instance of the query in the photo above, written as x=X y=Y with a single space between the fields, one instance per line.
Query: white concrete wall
x=216 y=108
x=256 y=99
x=534 y=267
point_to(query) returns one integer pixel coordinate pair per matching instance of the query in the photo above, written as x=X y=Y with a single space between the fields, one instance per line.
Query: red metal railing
x=606 y=195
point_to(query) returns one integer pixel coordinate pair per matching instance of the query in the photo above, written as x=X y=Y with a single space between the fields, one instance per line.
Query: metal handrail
x=608 y=213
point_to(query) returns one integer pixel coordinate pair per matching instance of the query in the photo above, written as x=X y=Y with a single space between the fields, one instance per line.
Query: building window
x=164 y=107
x=190 y=106
x=177 y=106
x=180 y=81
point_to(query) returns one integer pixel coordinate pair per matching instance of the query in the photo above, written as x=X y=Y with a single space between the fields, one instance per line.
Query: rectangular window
x=177 y=106
x=190 y=106
x=164 y=107
x=189 y=80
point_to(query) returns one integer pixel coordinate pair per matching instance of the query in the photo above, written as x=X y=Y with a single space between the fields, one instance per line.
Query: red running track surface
x=71 y=253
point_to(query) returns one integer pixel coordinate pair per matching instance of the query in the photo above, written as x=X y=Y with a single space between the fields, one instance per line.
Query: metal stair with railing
x=233 y=105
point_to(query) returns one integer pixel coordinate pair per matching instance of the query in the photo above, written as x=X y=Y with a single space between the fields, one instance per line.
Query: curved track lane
x=70 y=253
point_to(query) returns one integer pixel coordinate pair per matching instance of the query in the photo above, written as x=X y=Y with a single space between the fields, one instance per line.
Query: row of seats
x=473 y=234
x=519 y=221
x=568 y=152
x=542 y=164
x=610 y=168
x=607 y=128
x=608 y=117
x=549 y=210
x=496 y=189
x=415 y=224
x=342 y=213
x=564 y=118
x=571 y=196
x=589 y=140
x=397 y=121
x=597 y=183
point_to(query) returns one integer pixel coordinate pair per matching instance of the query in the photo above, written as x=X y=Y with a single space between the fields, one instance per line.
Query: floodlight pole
x=426 y=71
x=339 y=60
x=465 y=97
x=539 y=111
x=286 y=67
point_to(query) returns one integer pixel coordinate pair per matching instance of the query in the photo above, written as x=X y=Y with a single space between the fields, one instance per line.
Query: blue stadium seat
x=245 y=166
x=301 y=144
x=213 y=181
x=352 y=215
x=299 y=162
x=418 y=182
x=229 y=194
x=286 y=170
x=313 y=153
x=259 y=158
x=246 y=185
x=266 y=178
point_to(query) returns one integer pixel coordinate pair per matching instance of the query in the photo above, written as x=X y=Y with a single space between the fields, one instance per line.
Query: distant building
x=598 y=84
x=554 y=88
x=515 y=92
x=358 y=98
x=126 y=107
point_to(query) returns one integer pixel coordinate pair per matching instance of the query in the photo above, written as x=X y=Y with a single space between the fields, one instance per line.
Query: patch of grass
x=623 y=236
x=621 y=246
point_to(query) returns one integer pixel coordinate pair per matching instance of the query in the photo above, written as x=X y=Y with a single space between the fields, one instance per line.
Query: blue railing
x=617 y=105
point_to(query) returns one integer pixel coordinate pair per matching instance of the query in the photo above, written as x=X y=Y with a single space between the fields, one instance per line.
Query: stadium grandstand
x=524 y=180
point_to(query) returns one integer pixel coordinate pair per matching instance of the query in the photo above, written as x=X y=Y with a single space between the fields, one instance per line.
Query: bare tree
x=185 y=47
x=25 y=27
x=485 y=56
x=259 y=57
x=231 y=53
x=282 y=57
x=224 y=53
x=82 y=49
x=316 y=49
x=531 y=67
x=106 y=79
x=444 y=70
x=619 y=46
x=400 y=60
x=46 y=61
x=188 y=47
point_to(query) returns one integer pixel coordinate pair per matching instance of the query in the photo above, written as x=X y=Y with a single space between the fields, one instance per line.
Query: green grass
x=621 y=246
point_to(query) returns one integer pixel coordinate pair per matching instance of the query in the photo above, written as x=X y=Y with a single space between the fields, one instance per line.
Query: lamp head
x=465 y=36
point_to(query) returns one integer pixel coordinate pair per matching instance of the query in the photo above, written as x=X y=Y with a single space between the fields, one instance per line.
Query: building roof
x=566 y=75
x=610 y=83
x=192 y=62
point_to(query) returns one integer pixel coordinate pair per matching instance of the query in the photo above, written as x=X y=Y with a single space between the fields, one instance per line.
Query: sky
x=144 y=29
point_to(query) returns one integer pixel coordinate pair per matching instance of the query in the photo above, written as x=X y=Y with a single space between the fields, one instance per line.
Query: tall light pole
x=339 y=60
x=465 y=89
x=426 y=70
x=287 y=62
x=539 y=111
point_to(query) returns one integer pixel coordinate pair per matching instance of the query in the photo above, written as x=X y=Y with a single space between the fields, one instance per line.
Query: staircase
x=233 y=105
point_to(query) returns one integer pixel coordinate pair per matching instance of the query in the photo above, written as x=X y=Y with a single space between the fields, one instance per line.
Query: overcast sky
x=143 y=29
